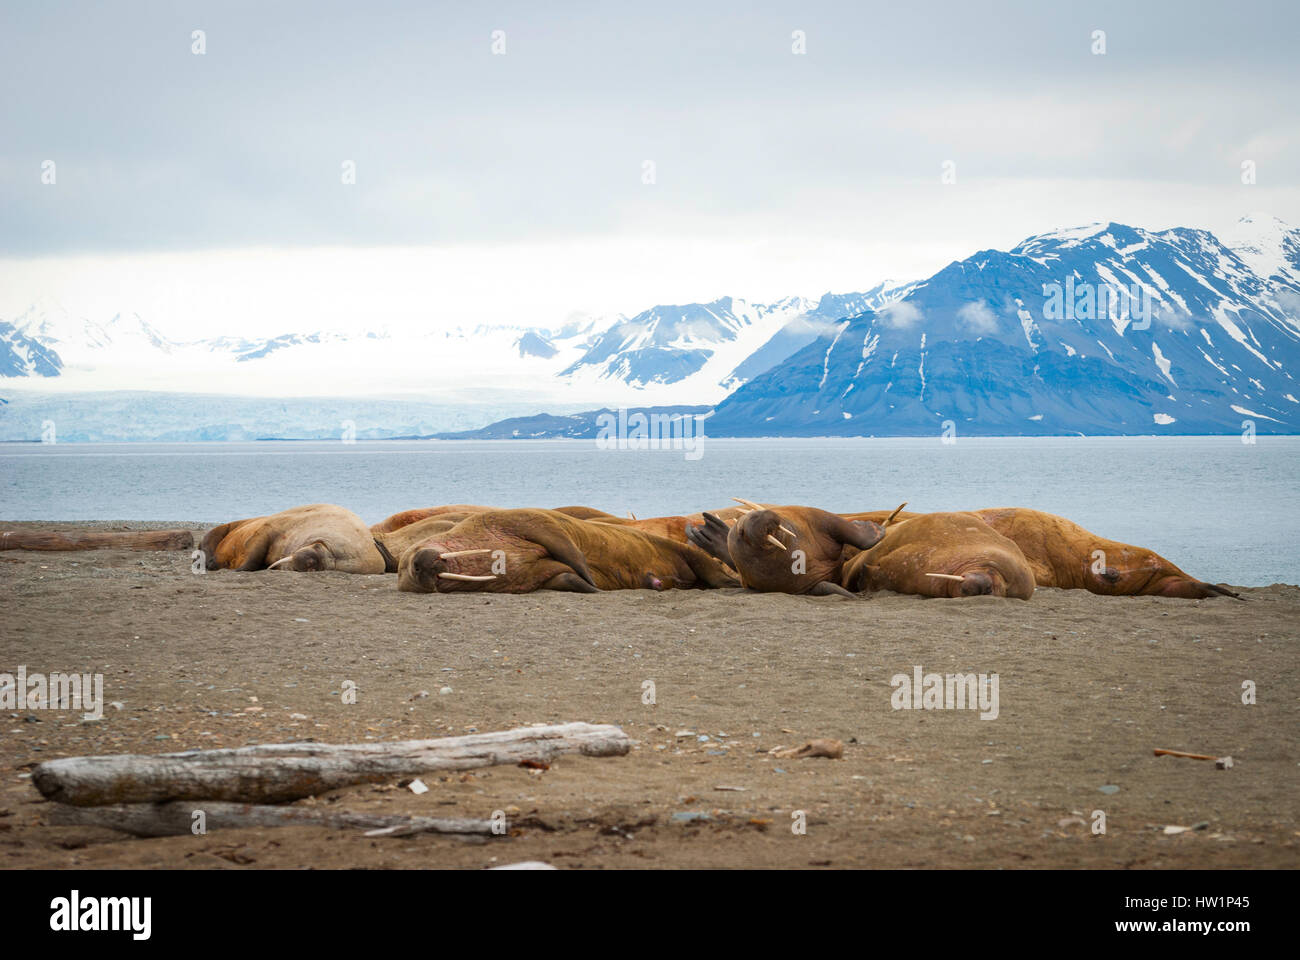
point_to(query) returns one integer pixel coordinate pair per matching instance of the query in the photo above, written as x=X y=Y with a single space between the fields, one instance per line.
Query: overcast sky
x=205 y=191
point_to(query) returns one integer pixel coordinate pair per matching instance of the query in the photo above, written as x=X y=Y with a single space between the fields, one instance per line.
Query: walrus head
x=426 y=569
x=759 y=529
x=314 y=556
x=1143 y=573
x=985 y=579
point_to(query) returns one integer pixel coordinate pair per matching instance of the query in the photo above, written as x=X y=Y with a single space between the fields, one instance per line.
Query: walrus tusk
x=890 y=519
x=463 y=553
x=946 y=576
x=787 y=530
x=631 y=515
x=280 y=561
x=774 y=540
x=748 y=503
x=466 y=576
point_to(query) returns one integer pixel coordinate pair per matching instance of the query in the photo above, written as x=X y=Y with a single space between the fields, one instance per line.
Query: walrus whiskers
x=465 y=576
x=463 y=553
x=946 y=576
x=774 y=540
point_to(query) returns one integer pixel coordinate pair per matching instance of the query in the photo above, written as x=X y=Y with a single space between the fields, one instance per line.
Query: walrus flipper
x=255 y=549
x=212 y=539
x=711 y=538
x=1190 y=589
x=828 y=588
x=390 y=564
x=569 y=581
x=863 y=534
x=551 y=537
x=1214 y=588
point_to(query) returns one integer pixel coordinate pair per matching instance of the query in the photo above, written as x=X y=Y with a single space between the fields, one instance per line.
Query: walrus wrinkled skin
x=793 y=549
x=971 y=557
x=319 y=536
x=519 y=551
x=1062 y=554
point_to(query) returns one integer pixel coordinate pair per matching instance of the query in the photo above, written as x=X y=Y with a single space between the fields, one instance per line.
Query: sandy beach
x=1088 y=687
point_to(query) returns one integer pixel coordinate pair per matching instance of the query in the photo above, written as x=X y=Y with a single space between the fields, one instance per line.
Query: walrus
x=942 y=555
x=587 y=513
x=1064 y=554
x=402 y=539
x=672 y=527
x=407 y=517
x=518 y=551
x=786 y=549
x=319 y=536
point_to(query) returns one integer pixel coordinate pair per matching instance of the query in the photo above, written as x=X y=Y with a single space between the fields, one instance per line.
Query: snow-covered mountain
x=1098 y=329
x=697 y=351
x=1268 y=246
x=1033 y=341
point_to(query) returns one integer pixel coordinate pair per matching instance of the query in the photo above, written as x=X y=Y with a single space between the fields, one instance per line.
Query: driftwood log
x=279 y=772
x=177 y=818
x=97 y=540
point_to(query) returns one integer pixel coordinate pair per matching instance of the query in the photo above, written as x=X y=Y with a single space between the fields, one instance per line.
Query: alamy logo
x=655 y=431
x=1091 y=301
x=58 y=691
x=73 y=913
x=953 y=691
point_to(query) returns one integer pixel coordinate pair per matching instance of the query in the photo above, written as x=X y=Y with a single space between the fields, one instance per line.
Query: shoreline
x=1089 y=686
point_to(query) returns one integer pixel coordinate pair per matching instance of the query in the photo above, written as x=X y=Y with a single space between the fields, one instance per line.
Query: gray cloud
x=159 y=149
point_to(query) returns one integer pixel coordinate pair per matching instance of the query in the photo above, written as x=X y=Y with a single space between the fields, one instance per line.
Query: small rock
x=689 y=816
x=444 y=691
x=1109 y=789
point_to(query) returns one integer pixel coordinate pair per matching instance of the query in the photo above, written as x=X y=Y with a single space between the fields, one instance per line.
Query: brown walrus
x=942 y=555
x=586 y=513
x=1064 y=554
x=399 y=541
x=674 y=528
x=319 y=536
x=786 y=549
x=518 y=551
x=407 y=517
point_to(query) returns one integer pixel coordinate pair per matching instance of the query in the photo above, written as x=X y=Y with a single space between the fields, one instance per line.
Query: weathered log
x=177 y=818
x=278 y=772
x=97 y=540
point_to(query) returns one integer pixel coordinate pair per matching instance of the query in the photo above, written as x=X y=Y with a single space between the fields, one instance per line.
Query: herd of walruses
x=1003 y=552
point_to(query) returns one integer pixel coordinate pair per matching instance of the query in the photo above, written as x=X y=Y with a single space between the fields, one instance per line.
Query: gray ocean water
x=1221 y=509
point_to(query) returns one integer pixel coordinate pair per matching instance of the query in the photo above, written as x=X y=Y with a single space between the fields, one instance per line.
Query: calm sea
x=1221 y=509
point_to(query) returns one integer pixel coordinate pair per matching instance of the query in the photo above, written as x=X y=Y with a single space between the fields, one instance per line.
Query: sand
x=1088 y=686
